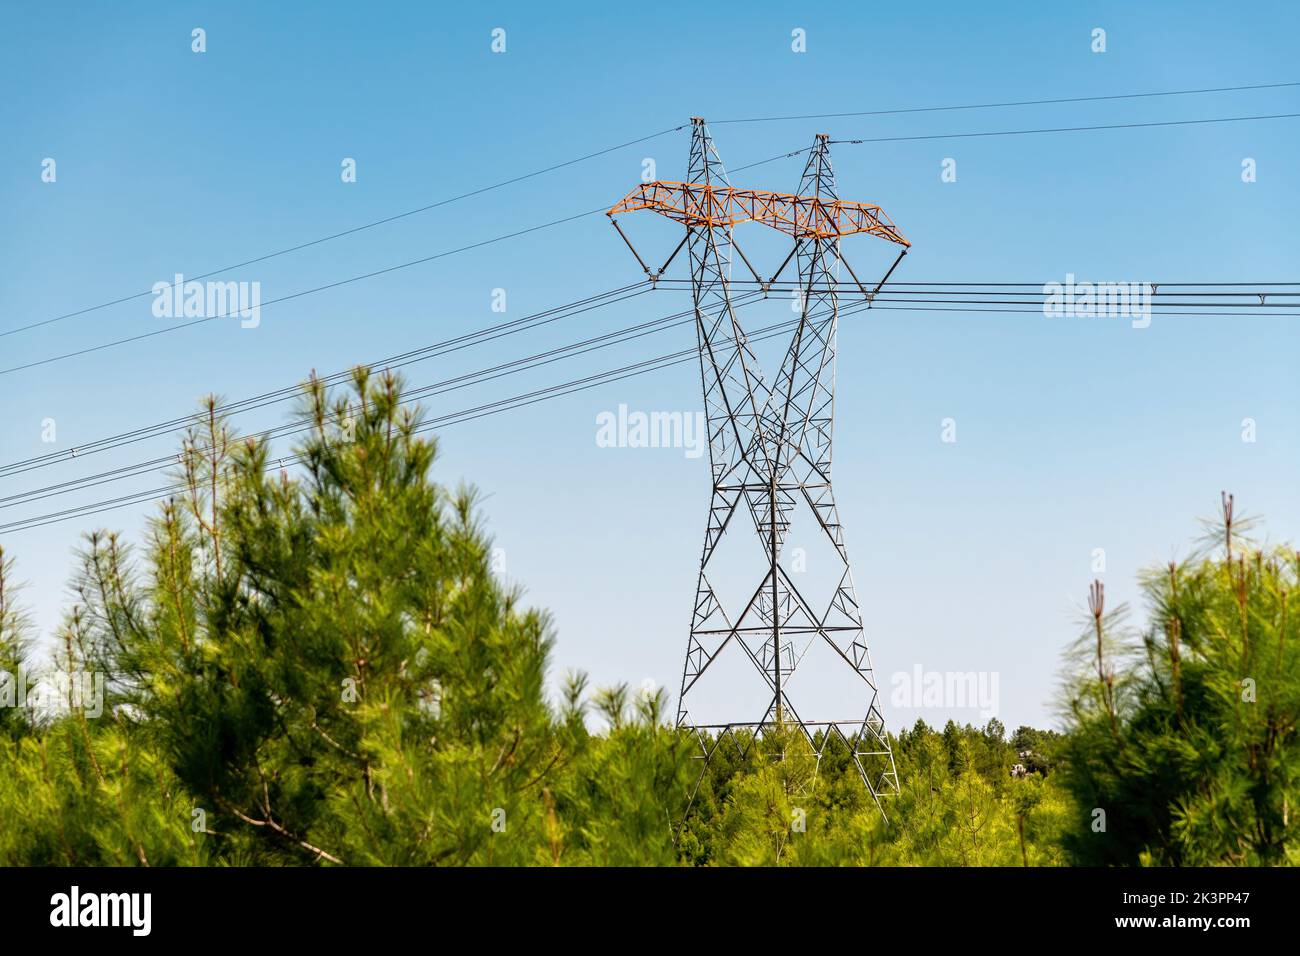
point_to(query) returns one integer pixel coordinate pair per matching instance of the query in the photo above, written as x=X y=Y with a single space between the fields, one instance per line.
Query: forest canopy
x=322 y=668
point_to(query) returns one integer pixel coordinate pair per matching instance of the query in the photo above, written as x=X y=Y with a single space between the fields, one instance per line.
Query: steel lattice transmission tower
x=770 y=452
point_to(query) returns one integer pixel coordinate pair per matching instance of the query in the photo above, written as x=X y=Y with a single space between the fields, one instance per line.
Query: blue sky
x=1072 y=434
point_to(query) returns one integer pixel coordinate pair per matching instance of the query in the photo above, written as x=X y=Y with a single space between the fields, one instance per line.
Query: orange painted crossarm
x=695 y=204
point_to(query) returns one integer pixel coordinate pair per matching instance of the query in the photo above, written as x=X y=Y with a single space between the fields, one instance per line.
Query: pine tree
x=1191 y=745
x=15 y=650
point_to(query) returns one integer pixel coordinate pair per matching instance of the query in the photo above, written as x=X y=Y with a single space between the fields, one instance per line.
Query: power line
x=1067 y=129
x=354 y=230
x=902 y=294
x=515 y=366
x=903 y=283
x=482 y=411
x=633 y=142
x=175 y=328
x=556 y=222
x=986 y=106
x=892 y=293
x=295 y=295
x=470 y=414
x=475 y=412
x=897 y=287
x=436 y=349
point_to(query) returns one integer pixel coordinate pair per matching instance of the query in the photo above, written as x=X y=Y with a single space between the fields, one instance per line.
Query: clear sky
x=969 y=556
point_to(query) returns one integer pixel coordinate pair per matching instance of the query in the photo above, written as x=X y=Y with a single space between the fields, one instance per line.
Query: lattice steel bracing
x=770 y=454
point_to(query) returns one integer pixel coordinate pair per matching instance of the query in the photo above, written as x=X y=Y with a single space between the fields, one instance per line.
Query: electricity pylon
x=770 y=449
